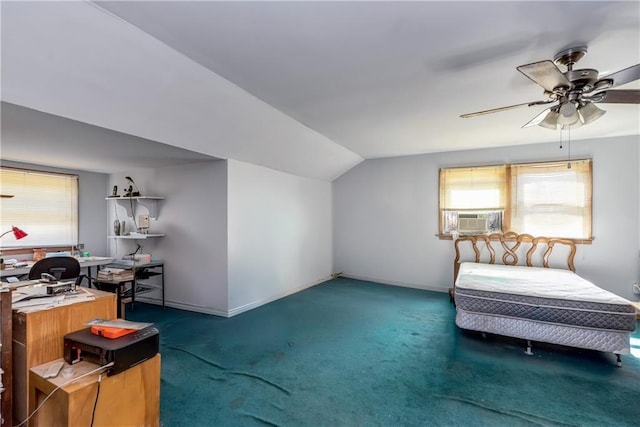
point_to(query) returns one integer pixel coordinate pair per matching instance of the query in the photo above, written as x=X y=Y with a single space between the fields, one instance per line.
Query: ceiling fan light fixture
x=568 y=114
x=575 y=125
x=589 y=113
x=550 y=121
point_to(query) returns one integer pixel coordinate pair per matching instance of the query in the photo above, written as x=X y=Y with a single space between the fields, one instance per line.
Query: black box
x=125 y=352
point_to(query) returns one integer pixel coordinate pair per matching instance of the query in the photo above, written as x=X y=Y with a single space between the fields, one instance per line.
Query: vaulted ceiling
x=309 y=88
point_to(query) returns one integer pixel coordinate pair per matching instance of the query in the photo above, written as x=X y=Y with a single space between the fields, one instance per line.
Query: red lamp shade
x=17 y=233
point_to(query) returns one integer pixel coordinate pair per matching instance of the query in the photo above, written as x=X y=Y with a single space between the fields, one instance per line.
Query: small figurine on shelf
x=115 y=191
x=132 y=193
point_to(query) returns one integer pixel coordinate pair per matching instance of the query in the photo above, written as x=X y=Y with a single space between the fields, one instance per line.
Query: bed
x=533 y=296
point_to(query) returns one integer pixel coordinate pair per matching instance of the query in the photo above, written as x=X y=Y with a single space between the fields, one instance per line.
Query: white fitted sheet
x=534 y=282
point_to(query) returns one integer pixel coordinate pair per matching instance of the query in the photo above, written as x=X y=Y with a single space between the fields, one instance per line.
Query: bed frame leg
x=528 y=351
x=618 y=360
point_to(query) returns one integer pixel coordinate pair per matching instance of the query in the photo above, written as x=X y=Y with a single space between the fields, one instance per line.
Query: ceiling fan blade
x=509 y=107
x=546 y=74
x=631 y=96
x=624 y=76
x=537 y=119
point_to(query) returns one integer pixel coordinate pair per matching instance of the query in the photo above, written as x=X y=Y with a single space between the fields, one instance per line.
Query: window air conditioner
x=472 y=223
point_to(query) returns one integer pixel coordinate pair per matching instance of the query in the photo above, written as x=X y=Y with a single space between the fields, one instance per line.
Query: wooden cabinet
x=130 y=398
x=38 y=337
x=6 y=358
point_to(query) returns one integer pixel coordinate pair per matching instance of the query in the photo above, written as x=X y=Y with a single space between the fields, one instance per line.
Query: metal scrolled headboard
x=510 y=242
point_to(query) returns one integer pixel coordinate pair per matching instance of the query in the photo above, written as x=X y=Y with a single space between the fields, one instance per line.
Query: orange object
x=111 y=332
x=39 y=254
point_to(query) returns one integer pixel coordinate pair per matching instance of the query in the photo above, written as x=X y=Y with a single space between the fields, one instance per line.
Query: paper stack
x=118 y=323
x=115 y=274
x=34 y=298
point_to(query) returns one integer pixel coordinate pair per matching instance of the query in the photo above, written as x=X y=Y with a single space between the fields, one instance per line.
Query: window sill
x=576 y=241
x=29 y=250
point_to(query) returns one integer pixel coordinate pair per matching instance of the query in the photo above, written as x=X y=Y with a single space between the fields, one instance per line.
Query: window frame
x=72 y=211
x=507 y=211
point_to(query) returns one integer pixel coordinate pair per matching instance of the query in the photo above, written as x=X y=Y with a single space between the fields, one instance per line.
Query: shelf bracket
x=151 y=205
x=130 y=203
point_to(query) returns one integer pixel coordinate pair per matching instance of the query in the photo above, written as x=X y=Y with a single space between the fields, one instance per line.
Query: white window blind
x=542 y=199
x=45 y=205
x=476 y=188
x=550 y=199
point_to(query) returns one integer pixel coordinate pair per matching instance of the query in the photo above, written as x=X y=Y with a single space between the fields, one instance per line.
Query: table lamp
x=18 y=234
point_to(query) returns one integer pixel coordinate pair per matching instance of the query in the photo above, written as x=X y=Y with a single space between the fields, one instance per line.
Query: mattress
x=544 y=295
x=594 y=339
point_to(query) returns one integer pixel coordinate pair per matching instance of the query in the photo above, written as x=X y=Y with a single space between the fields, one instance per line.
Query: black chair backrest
x=60 y=267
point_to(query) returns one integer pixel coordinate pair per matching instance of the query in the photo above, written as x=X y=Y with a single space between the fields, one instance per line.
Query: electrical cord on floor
x=95 y=403
x=71 y=381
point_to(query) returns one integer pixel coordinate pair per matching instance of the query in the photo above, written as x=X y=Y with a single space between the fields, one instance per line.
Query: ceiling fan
x=574 y=92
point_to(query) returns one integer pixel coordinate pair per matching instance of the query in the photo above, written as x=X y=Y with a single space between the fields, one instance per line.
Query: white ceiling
x=309 y=88
x=60 y=141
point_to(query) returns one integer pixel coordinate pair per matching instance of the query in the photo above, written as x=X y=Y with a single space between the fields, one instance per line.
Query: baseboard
x=183 y=306
x=258 y=303
x=400 y=284
x=255 y=304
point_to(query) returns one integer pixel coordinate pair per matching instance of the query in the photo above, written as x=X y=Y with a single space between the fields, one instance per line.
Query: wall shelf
x=129 y=203
x=138 y=236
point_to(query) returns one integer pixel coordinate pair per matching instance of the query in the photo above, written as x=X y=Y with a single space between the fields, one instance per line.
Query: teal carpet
x=354 y=353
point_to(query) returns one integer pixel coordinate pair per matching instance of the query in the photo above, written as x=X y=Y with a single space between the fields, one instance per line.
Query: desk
x=141 y=271
x=38 y=337
x=88 y=262
x=130 y=398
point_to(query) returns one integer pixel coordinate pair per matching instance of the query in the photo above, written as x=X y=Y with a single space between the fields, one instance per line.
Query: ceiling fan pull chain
x=569 y=148
x=561 y=138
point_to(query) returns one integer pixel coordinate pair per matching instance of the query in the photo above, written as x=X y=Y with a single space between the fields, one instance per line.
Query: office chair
x=63 y=267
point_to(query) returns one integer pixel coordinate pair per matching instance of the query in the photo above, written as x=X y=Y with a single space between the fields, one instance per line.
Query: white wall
x=237 y=235
x=92 y=216
x=386 y=214
x=194 y=218
x=279 y=234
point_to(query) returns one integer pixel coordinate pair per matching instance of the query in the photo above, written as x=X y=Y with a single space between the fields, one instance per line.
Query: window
x=472 y=200
x=542 y=199
x=44 y=204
